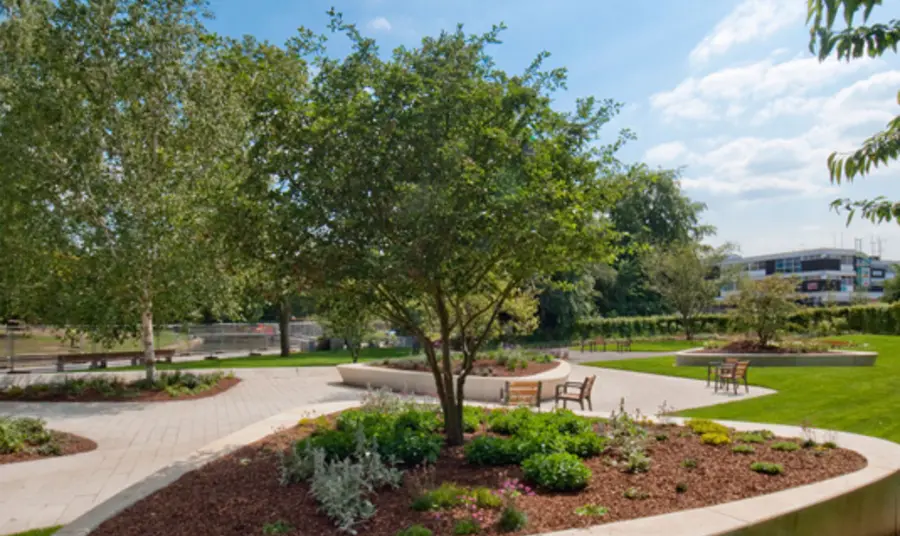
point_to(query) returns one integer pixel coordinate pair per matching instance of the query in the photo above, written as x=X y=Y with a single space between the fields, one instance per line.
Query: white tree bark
x=147 y=341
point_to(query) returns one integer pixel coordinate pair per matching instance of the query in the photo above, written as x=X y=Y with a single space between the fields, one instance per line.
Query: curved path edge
x=866 y=502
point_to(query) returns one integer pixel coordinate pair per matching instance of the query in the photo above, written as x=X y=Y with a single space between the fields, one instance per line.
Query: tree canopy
x=857 y=39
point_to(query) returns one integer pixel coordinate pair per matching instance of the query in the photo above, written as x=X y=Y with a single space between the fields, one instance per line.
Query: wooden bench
x=101 y=360
x=623 y=345
x=594 y=345
x=733 y=374
x=521 y=394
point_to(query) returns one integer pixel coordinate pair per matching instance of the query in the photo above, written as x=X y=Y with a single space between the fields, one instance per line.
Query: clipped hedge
x=878 y=319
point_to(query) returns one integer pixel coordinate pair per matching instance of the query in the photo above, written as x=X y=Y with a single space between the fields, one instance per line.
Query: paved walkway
x=137 y=439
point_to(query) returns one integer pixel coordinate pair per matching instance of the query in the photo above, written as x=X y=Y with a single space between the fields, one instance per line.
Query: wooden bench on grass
x=521 y=394
x=100 y=360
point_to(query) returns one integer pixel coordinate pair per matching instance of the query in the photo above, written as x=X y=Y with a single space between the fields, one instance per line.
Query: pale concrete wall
x=485 y=389
x=694 y=358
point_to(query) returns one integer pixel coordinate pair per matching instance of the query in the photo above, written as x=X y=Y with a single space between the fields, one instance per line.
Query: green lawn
x=662 y=345
x=310 y=359
x=38 y=532
x=864 y=400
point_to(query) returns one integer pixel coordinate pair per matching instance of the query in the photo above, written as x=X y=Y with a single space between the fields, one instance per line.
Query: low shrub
x=750 y=438
x=556 y=472
x=637 y=462
x=464 y=527
x=785 y=446
x=681 y=487
x=24 y=434
x=635 y=494
x=689 y=463
x=743 y=449
x=486 y=498
x=448 y=495
x=662 y=437
x=278 y=527
x=411 y=447
x=705 y=426
x=830 y=445
x=512 y=519
x=415 y=530
x=591 y=510
x=584 y=444
x=490 y=450
x=712 y=438
x=508 y=422
x=765 y=434
x=767 y=468
x=473 y=418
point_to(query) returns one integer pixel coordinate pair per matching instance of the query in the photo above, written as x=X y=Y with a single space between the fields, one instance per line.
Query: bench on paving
x=521 y=394
x=100 y=360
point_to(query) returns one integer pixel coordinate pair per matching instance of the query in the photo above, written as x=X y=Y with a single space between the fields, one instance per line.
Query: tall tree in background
x=762 y=306
x=123 y=124
x=652 y=212
x=274 y=83
x=687 y=277
x=346 y=315
x=854 y=42
x=445 y=187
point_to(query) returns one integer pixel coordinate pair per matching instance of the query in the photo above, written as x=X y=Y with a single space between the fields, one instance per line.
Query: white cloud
x=751 y=20
x=726 y=93
x=665 y=152
x=380 y=24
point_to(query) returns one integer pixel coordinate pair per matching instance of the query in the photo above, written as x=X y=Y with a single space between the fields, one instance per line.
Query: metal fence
x=35 y=345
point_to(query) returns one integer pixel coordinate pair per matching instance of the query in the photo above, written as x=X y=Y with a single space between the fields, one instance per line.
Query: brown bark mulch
x=238 y=494
x=135 y=395
x=69 y=443
x=479 y=368
x=754 y=347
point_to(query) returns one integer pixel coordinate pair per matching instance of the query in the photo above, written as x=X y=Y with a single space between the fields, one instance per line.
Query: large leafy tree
x=762 y=306
x=121 y=126
x=652 y=212
x=857 y=39
x=274 y=82
x=687 y=276
x=444 y=187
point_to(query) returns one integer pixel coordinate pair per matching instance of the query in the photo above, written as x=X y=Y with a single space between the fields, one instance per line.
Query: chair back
x=587 y=386
x=741 y=369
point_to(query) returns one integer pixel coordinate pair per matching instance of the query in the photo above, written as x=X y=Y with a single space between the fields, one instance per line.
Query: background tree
x=122 y=124
x=892 y=286
x=652 y=212
x=274 y=83
x=763 y=306
x=686 y=275
x=446 y=186
x=853 y=42
x=346 y=316
x=566 y=298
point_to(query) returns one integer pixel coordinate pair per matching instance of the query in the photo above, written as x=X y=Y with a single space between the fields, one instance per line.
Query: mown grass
x=864 y=400
x=308 y=359
x=38 y=532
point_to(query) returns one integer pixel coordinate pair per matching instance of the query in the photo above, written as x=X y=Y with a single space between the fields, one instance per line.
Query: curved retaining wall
x=696 y=358
x=481 y=388
x=864 y=503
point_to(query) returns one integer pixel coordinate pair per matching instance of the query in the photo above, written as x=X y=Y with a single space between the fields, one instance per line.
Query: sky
x=725 y=90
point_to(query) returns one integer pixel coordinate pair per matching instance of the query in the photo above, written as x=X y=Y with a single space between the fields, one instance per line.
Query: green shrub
x=415 y=530
x=18 y=434
x=767 y=468
x=411 y=447
x=689 y=463
x=830 y=445
x=557 y=472
x=750 y=438
x=681 y=487
x=464 y=527
x=418 y=420
x=584 y=444
x=490 y=450
x=743 y=449
x=448 y=495
x=486 y=498
x=705 y=426
x=278 y=527
x=765 y=434
x=337 y=444
x=662 y=437
x=785 y=446
x=512 y=519
x=473 y=418
x=714 y=439
x=635 y=494
x=508 y=422
x=591 y=510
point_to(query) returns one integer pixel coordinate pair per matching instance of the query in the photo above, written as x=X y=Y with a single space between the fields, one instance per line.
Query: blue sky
x=725 y=89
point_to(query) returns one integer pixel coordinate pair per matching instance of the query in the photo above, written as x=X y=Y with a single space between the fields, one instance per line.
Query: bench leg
x=590 y=404
x=581 y=402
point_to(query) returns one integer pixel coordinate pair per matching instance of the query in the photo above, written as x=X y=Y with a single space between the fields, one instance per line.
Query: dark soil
x=754 y=347
x=132 y=395
x=238 y=494
x=481 y=367
x=70 y=444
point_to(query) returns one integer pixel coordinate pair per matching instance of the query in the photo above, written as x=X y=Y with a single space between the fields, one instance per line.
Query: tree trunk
x=354 y=350
x=284 y=326
x=147 y=341
x=453 y=423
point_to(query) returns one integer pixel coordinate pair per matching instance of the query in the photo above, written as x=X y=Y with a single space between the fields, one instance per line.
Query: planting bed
x=25 y=439
x=242 y=493
x=481 y=367
x=96 y=388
